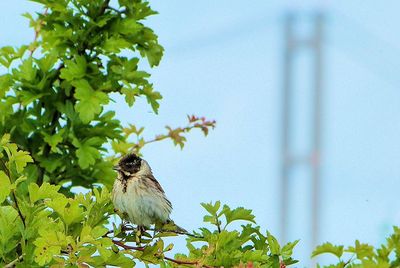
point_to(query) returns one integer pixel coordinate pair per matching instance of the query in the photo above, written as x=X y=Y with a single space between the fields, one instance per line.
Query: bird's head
x=129 y=164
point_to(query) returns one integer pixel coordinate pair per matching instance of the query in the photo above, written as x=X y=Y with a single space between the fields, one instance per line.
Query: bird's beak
x=117 y=168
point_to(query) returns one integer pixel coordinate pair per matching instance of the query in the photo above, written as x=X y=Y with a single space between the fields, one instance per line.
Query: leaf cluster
x=364 y=255
x=54 y=91
x=224 y=246
x=177 y=135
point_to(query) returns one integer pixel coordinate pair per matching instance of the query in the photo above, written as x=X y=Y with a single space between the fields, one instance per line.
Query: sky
x=223 y=60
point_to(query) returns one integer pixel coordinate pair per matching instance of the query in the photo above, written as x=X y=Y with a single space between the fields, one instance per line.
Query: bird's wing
x=158 y=186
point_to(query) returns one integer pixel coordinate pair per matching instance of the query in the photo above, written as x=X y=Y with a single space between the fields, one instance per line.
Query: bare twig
x=124 y=246
x=177 y=134
x=14 y=262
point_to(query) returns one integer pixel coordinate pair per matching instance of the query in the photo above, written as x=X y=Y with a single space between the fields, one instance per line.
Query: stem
x=104 y=7
x=218 y=223
x=18 y=209
x=127 y=247
x=163 y=137
x=37 y=32
x=162 y=230
x=14 y=197
x=12 y=264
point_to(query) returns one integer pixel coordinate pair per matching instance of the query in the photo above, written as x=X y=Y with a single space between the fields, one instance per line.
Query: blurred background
x=306 y=98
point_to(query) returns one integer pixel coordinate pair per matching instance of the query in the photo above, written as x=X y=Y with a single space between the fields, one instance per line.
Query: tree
x=54 y=132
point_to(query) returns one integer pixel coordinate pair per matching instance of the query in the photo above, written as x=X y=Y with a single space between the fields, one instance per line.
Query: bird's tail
x=171 y=226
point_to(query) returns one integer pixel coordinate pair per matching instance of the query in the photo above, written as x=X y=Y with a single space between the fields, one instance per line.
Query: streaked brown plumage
x=138 y=195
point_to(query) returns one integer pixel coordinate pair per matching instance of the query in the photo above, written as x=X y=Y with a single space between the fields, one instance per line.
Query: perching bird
x=138 y=195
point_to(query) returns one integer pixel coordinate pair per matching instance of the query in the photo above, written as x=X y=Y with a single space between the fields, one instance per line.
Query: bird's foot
x=139 y=231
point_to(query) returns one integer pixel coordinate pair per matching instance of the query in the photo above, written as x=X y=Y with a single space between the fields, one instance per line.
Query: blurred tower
x=293 y=44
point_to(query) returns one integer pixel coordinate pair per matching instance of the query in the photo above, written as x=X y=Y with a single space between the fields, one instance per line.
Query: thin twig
x=12 y=264
x=124 y=246
x=162 y=231
x=181 y=262
x=186 y=129
x=14 y=197
x=37 y=32
x=18 y=209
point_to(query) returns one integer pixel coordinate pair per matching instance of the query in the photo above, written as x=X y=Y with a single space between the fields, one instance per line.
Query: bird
x=138 y=196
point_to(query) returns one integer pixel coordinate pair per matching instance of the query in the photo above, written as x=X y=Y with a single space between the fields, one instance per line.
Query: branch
x=161 y=231
x=176 y=135
x=37 y=32
x=122 y=245
x=127 y=247
x=104 y=7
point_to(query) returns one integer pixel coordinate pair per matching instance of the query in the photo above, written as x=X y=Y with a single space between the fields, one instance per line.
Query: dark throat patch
x=124 y=179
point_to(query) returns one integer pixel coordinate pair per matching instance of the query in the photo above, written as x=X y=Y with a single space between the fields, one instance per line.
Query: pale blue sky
x=223 y=61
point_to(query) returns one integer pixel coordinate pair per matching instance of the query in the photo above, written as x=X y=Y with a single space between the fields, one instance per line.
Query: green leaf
x=9 y=231
x=5 y=84
x=328 y=248
x=18 y=157
x=4 y=139
x=273 y=244
x=90 y=101
x=73 y=213
x=239 y=213
x=98 y=231
x=47 y=62
x=121 y=147
x=120 y=260
x=58 y=204
x=88 y=152
x=116 y=44
x=5 y=188
x=19 y=180
x=362 y=250
x=27 y=70
x=103 y=248
x=27 y=97
x=212 y=209
x=86 y=236
x=49 y=244
x=44 y=252
x=287 y=250
x=152 y=97
x=43 y=192
x=130 y=94
x=51 y=162
x=75 y=69
x=54 y=139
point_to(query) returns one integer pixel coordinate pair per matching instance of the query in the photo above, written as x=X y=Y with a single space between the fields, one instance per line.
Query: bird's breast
x=142 y=204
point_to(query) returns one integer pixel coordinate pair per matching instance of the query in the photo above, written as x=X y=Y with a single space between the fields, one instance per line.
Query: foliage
x=55 y=133
x=55 y=90
x=365 y=255
x=78 y=231
x=229 y=248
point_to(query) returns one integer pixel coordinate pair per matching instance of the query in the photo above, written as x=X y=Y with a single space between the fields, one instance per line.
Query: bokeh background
x=224 y=60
